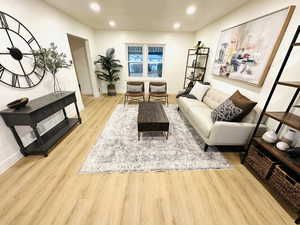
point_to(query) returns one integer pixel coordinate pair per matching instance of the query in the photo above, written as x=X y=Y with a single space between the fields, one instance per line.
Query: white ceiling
x=147 y=15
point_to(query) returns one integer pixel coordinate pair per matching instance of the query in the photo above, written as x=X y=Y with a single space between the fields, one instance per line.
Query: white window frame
x=145 y=62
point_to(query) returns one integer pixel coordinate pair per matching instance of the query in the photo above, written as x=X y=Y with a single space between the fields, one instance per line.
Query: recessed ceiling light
x=95 y=6
x=177 y=25
x=112 y=23
x=191 y=10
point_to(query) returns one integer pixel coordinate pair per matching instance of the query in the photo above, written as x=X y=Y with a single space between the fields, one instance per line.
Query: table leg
x=18 y=139
x=77 y=110
x=65 y=114
x=38 y=137
x=139 y=136
x=167 y=136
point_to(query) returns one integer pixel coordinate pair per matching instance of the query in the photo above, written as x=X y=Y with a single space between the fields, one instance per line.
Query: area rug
x=118 y=149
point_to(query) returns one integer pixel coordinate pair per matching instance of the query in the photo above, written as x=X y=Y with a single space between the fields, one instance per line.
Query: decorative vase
x=289 y=137
x=111 y=90
x=270 y=137
x=282 y=146
x=56 y=86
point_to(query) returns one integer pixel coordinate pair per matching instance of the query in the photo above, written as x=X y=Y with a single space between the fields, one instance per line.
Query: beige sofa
x=222 y=133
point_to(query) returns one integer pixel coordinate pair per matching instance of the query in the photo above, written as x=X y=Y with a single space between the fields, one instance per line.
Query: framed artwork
x=245 y=52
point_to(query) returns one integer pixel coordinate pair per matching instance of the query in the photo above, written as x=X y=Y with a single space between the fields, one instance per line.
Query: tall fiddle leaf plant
x=107 y=67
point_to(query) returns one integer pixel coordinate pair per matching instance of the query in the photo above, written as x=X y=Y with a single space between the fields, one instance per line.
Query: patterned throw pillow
x=227 y=111
x=158 y=89
x=134 y=88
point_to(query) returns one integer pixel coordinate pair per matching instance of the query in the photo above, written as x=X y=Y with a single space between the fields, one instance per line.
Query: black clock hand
x=22 y=68
x=12 y=44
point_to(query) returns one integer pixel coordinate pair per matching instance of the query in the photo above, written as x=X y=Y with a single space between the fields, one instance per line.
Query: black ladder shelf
x=196 y=63
x=284 y=117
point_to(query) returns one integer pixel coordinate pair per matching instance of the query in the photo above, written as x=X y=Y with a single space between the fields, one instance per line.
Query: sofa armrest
x=232 y=133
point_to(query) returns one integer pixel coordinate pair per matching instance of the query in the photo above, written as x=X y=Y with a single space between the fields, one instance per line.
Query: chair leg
x=167 y=98
x=124 y=100
x=149 y=98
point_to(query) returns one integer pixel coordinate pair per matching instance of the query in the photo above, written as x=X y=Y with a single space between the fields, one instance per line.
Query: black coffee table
x=152 y=118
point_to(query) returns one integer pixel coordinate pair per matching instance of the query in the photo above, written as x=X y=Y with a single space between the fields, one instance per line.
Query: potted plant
x=52 y=61
x=110 y=70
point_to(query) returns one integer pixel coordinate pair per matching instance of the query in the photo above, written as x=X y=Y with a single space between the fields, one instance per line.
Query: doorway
x=81 y=65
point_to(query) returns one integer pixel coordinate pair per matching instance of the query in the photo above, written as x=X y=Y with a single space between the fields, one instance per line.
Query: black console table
x=36 y=111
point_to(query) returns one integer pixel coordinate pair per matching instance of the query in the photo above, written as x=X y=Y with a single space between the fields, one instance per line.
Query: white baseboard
x=8 y=162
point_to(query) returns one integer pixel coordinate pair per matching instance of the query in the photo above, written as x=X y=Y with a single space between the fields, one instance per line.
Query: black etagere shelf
x=196 y=63
x=287 y=186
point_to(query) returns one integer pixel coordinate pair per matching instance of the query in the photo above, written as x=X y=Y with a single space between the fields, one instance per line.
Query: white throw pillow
x=199 y=90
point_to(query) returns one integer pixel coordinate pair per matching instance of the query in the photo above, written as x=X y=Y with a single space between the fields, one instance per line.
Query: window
x=145 y=61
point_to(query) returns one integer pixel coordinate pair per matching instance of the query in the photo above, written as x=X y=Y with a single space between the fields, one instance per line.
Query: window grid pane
x=155 y=70
x=155 y=54
x=135 y=53
x=135 y=69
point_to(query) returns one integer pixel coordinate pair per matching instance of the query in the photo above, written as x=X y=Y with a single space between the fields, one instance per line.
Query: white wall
x=211 y=33
x=81 y=65
x=48 y=25
x=176 y=45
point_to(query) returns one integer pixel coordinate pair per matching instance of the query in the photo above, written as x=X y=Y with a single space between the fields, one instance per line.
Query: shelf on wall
x=291 y=162
x=286 y=118
x=295 y=84
x=297 y=44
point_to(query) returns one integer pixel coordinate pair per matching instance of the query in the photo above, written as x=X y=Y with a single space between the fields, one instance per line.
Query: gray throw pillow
x=227 y=111
x=134 y=88
x=158 y=89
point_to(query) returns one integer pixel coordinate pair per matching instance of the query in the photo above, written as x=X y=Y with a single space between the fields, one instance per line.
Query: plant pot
x=111 y=90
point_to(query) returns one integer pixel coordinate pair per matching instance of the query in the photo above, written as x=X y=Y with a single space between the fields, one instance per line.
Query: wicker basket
x=258 y=162
x=286 y=186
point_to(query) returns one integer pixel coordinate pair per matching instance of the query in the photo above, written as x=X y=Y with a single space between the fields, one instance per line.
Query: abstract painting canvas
x=245 y=52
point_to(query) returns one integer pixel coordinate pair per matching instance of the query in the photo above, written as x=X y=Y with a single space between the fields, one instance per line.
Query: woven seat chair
x=158 y=92
x=133 y=93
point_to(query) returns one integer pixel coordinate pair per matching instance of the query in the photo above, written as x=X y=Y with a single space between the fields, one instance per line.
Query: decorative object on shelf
x=111 y=69
x=196 y=64
x=282 y=146
x=16 y=62
x=245 y=52
x=18 y=104
x=52 y=61
x=289 y=137
x=270 y=136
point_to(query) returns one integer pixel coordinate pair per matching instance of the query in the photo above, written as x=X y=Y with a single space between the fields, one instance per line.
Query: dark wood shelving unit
x=291 y=162
x=286 y=118
x=284 y=172
x=295 y=84
x=192 y=71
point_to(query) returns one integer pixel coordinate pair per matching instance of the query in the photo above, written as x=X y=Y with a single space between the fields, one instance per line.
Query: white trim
x=9 y=161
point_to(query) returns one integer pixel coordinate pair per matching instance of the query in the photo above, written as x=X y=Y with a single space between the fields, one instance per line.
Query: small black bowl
x=17 y=104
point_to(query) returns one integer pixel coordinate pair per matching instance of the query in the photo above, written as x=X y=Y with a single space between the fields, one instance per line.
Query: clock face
x=17 y=61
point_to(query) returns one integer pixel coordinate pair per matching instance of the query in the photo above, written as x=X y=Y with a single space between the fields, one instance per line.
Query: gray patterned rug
x=118 y=148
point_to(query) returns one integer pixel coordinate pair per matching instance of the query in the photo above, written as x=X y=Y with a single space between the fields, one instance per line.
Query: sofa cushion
x=201 y=120
x=213 y=98
x=227 y=111
x=187 y=103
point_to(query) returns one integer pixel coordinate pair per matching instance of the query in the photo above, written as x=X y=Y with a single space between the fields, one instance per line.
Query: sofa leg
x=178 y=109
x=205 y=147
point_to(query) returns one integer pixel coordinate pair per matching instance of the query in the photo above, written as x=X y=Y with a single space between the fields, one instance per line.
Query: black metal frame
x=202 y=51
x=276 y=82
x=293 y=43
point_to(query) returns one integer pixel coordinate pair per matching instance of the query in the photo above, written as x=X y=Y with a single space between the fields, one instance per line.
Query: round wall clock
x=17 y=61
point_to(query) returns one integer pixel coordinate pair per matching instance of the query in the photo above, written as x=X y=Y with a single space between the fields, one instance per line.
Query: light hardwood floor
x=44 y=191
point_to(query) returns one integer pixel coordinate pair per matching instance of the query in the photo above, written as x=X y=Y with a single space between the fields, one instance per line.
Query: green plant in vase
x=108 y=69
x=52 y=61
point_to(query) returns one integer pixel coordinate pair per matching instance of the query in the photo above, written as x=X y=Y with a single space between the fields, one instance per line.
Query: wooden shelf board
x=297 y=44
x=295 y=84
x=289 y=119
x=51 y=137
x=292 y=162
x=196 y=67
